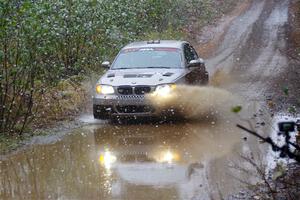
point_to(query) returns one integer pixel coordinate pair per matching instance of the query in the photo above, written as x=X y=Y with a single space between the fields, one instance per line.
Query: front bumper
x=123 y=105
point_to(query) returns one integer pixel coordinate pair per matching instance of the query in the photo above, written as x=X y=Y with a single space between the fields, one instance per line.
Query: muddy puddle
x=130 y=161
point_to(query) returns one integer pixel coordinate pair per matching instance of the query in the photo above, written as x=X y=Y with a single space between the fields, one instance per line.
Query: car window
x=148 y=58
x=189 y=53
x=194 y=53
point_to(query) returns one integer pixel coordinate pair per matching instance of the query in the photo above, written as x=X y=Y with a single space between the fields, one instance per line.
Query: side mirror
x=106 y=64
x=196 y=63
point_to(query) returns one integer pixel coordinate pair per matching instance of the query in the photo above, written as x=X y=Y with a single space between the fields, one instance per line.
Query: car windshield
x=148 y=58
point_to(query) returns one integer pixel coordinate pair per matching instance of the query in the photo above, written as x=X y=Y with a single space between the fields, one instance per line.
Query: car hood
x=141 y=76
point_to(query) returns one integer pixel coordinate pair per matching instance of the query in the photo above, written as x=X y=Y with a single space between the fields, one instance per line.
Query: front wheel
x=100 y=112
x=204 y=79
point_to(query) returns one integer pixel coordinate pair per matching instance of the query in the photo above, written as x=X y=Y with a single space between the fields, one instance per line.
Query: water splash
x=196 y=103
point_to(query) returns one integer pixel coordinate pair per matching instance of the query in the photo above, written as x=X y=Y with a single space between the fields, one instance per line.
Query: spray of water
x=193 y=102
x=221 y=78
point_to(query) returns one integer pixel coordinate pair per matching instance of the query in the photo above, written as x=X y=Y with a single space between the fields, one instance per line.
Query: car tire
x=205 y=79
x=100 y=113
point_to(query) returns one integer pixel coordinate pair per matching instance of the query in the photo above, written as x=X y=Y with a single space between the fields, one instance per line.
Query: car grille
x=131 y=97
x=142 y=90
x=133 y=109
x=125 y=90
x=138 y=90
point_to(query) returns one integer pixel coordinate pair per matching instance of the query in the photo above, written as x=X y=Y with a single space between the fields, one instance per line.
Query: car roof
x=156 y=43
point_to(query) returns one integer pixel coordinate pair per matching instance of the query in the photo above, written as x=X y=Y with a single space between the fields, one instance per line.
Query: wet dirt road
x=188 y=160
x=253 y=49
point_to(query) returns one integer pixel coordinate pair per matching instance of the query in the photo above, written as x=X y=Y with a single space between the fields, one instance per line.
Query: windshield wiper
x=151 y=67
x=159 y=67
x=126 y=68
x=120 y=68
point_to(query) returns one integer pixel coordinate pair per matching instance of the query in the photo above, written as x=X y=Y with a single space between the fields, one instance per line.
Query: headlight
x=164 y=90
x=168 y=157
x=105 y=89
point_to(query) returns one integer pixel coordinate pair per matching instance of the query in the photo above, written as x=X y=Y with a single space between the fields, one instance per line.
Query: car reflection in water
x=145 y=157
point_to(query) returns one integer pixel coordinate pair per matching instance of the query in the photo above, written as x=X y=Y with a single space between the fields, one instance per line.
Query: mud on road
x=188 y=160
